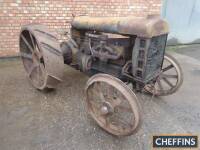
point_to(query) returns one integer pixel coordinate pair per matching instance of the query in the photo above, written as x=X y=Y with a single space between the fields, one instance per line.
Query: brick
x=14 y=4
x=54 y=14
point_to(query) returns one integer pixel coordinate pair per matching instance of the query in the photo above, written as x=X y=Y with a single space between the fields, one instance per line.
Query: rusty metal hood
x=148 y=26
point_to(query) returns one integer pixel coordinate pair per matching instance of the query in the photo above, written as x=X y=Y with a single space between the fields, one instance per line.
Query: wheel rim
x=112 y=105
x=169 y=80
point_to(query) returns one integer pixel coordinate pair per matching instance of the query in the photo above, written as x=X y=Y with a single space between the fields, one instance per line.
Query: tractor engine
x=102 y=52
x=128 y=48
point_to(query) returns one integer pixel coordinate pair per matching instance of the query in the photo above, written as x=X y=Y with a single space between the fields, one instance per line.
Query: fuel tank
x=147 y=27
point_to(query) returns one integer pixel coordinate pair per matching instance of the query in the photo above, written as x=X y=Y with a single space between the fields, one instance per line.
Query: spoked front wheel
x=169 y=80
x=113 y=105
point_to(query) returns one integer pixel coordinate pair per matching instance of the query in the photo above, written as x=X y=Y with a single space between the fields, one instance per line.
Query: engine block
x=127 y=48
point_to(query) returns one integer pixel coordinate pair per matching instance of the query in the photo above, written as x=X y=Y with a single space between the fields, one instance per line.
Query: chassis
x=122 y=55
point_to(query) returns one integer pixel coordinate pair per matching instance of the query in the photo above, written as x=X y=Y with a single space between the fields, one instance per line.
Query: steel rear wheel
x=41 y=56
x=113 y=105
x=169 y=80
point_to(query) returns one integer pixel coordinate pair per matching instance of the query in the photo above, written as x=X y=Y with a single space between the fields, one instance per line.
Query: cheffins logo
x=175 y=141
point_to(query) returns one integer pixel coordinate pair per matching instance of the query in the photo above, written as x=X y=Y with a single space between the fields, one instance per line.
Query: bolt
x=104 y=110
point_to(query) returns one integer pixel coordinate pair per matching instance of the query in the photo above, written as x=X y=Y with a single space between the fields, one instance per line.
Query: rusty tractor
x=122 y=55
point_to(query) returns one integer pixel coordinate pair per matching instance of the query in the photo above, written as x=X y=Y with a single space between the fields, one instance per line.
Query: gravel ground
x=58 y=120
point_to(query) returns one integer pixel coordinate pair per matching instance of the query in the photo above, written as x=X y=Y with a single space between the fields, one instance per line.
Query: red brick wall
x=55 y=13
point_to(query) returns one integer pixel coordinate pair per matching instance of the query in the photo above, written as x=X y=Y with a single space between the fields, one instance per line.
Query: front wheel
x=169 y=80
x=113 y=105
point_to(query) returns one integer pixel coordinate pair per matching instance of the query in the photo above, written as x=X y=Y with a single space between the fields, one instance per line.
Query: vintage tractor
x=116 y=52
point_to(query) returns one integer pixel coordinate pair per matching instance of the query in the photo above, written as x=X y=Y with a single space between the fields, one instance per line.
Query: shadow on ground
x=33 y=120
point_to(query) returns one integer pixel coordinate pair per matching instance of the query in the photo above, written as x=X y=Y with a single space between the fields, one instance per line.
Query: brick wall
x=55 y=13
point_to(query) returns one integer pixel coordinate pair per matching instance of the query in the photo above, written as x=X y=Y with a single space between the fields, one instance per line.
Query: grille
x=148 y=55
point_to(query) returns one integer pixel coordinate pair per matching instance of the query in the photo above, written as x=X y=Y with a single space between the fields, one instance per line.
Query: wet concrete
x=57 y=120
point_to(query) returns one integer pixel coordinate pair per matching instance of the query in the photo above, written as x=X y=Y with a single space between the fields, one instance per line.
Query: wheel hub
x=106 y=108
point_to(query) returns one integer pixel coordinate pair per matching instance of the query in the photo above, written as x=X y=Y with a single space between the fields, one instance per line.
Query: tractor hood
x=147 y=27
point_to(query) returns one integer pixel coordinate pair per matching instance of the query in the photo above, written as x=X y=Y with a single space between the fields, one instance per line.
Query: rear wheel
x=113 y=105
x=41 y=56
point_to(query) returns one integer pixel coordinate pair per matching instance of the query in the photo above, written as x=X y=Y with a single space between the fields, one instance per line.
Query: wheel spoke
x=104 y=120
x=124 y=108
x=26 y=42
x=107 y=121
x=109 y=92
x=40 y=75
x=159 y=84
x=33 y=43
x=112 y=96
x=168 y=82
x=96 y=104
x=100 y=94
x=102 y=97
x=33 y=67
x=37 y=51
x=167 y=68
x=116 y=102
x=99 y=91
x=42 y=68
x=120 y=122
x=170 y=76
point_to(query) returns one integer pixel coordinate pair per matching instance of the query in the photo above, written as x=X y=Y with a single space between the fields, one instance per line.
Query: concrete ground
x=58 y=120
